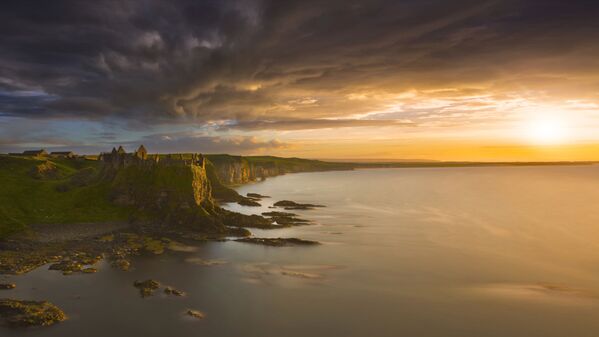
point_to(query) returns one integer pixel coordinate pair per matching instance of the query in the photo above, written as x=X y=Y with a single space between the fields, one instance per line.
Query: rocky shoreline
x=15 y=313
x=82 y=251
x=278 y=242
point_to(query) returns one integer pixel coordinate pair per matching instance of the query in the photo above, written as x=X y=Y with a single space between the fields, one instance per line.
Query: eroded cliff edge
x=235 y=170
x=163 y=191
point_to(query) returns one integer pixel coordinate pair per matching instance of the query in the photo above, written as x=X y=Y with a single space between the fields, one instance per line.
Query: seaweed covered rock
x=147 y=287
x=67 y=267
x=291 y=205
x=122 y=264
x=76 y=262
x=256 y=196
x=16 y=313
x=173 y=291
x=248 y=202
x=241 y=220
x=195 y=314
x=285 y=219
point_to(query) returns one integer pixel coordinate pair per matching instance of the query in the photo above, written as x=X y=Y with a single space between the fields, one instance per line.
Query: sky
x=479 y=80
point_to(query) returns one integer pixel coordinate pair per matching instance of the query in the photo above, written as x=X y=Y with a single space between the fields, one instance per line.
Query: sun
x=546 y=131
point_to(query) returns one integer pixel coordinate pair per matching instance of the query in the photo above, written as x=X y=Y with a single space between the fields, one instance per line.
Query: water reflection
x=412 y=252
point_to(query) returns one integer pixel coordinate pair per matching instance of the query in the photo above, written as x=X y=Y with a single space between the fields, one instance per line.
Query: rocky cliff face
x=162 y=186
x=234 y=170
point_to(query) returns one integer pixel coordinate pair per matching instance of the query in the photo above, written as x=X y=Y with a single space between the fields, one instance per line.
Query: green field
x=71 y=193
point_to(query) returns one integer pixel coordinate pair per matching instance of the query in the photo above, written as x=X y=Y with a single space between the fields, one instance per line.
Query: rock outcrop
x=168 y=183
x=16 y=313
x=292 y=205
x=147 y=287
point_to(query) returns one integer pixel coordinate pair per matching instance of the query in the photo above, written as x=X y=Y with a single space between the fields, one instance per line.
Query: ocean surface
x=481 y=252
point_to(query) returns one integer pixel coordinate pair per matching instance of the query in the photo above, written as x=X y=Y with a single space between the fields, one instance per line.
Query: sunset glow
x=338 y=168
x=296 y=80
x=547 y=131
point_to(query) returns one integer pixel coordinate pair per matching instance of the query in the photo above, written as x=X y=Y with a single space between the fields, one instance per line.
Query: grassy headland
x=41 y=191
x=49 y=190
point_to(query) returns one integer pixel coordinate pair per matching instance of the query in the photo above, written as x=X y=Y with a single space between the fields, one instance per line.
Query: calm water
x=407 y=252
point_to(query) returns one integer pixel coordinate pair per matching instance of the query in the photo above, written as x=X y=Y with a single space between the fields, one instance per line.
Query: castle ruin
x=119 y=158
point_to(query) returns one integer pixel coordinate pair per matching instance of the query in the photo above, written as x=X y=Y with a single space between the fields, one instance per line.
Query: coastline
x=74 y=248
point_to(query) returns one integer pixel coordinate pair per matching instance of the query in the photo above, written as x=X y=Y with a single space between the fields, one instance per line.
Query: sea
x=415 y=252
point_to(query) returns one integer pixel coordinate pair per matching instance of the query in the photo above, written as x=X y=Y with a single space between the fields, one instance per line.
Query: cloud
x=18 y=134
x=189 y=142
x=271 y=76
x=253 y=61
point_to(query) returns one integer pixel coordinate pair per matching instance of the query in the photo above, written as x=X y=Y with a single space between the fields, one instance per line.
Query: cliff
x=233 y=170
x=72 y=191
x=167 y=190
x=163 y=190
x=161 y=186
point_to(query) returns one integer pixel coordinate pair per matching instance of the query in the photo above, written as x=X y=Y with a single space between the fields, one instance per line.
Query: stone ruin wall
x=120 y=159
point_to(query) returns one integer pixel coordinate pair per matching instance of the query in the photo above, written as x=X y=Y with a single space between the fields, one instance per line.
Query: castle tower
x=141 y=153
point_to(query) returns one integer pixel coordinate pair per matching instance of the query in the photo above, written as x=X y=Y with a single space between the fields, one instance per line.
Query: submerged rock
x=278 y=242
x=303 y=275
x=75 y=262
x=153 y=246
x=290 y=221
x=249 y=221
x=147 y=287
x=6 y=286
x=67 y=267
x=256 y=196
x=248 y=202
x=195 y=314
x=20 y=262
x=173 y=291
x=16 y=313
x=286 y=218
x=203 y=262
x=122 y=264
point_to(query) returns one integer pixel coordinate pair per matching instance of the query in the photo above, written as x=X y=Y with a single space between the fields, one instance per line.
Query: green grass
x=296 y=164
x=25 y=200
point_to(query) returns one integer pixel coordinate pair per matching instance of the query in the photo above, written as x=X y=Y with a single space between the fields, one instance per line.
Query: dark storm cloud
x=279 y=64
x=189 y=142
